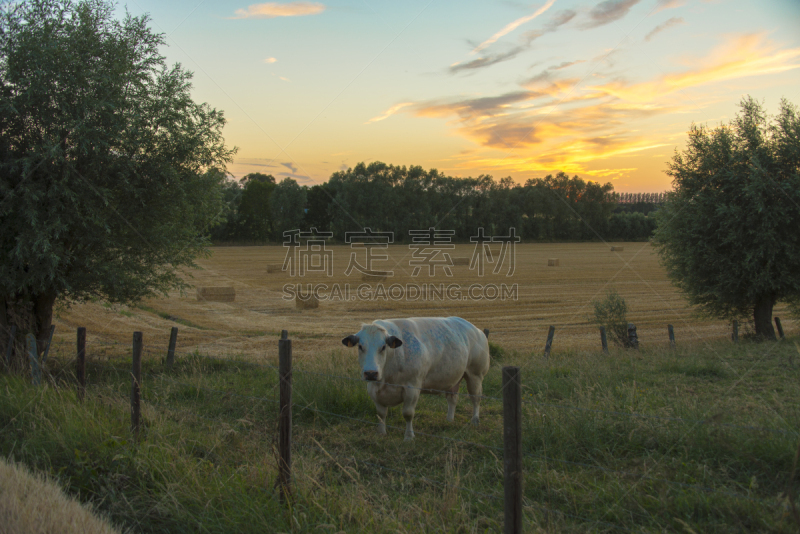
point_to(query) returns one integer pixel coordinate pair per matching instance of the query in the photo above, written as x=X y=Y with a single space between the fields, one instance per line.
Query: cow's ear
x=393 y=342
x=350 y=341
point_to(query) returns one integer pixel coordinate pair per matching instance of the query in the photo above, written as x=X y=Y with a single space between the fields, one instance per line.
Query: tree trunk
x=43 y=316
x=762 y=316
x=5 y=328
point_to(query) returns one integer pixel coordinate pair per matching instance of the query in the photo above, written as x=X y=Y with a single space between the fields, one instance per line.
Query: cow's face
x=373 y=343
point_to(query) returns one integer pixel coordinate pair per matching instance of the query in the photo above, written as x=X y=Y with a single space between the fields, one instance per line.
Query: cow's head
x=373 y=343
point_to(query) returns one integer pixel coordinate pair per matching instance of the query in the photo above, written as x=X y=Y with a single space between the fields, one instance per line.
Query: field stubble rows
x=560 y=296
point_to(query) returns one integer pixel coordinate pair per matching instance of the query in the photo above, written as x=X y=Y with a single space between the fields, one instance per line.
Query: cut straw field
x=558 y=295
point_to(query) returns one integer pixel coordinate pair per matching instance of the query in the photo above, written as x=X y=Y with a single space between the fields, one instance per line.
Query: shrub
x=496 y=352
x=611 y=312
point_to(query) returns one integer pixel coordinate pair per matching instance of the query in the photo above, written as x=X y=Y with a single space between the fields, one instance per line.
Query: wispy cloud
x=272 y=10
x=674 y=21
x=559 y=19
x=547 y=73
x=510 y=27
x=270 y=60
x=389 y=112
x=609 y=11
x=291 y=166
x=739 y=57
x=487 y=61
x=669 y=4
x=553 y=124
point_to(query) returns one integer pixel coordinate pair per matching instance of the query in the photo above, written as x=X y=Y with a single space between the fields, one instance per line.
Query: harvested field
x=561 y=297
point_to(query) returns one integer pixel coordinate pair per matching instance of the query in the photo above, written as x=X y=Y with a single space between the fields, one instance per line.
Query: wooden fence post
x=780 y=327
x=136 y=388
x=671 y=331
x=735 y=335
x=10 y=346
x=285 y=417
x=173 y=340
x=33 y=356
x=633 y=339
x=49 y=342
x=512 y=450
x=80 y=363
x=549 y=343
x=604 y=339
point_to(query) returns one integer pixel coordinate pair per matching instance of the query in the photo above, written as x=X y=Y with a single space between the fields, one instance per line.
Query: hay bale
x=308 y=302
x=32 y=503
x=275 y=268
x=372 y=277
x=617 y=249
x=216 y=294
x=461 y=261
x=552 y=262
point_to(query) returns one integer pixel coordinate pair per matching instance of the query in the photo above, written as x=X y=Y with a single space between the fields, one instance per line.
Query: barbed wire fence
x=512 y=497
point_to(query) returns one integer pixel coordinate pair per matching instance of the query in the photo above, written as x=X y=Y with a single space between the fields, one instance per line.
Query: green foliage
x=630 y=226
x=611 y=312
x=496 y=352
x=228 y=227
x=255 y=216
x=287 y=207
x=398 y=199
x=258 y=177
x=320 y=204
x=110 y=173
x=728 y=234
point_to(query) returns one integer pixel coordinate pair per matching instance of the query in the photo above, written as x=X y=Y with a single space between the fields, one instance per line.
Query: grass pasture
x=691 y=440
x=697 y=439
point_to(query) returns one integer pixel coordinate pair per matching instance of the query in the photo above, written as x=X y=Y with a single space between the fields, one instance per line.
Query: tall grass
x=713 y=455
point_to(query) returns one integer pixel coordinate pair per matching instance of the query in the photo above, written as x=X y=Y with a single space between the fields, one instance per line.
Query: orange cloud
x=272 y=10
x=389 y=112
x=742 y=56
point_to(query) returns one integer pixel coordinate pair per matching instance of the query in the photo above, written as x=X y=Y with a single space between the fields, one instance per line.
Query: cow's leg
x=410 y=398
x=382 y=412
x=452 y=400
x=475 y=389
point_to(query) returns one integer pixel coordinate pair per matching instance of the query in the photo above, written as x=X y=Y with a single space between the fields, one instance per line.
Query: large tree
x=288 y=203
x=728 y=233
x=110 y=173
x=255 y=216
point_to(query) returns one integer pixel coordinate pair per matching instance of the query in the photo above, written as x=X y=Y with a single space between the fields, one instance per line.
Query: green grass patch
x=649 y=441
x=169 y=317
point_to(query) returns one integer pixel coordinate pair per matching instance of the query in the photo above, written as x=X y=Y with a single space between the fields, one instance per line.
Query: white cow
x=401 y=358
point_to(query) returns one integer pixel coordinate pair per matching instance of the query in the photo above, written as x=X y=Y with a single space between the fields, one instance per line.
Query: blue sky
x=605 y=90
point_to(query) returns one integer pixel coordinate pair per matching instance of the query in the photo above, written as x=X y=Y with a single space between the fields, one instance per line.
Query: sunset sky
x=605 y=90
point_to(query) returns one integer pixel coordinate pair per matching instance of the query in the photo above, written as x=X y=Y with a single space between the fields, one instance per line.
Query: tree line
x=390 y=198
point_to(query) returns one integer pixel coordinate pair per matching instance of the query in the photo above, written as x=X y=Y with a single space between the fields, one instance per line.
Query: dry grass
x=547 y=296
x=216 y=294
x=32 y=504
x=308 y=302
